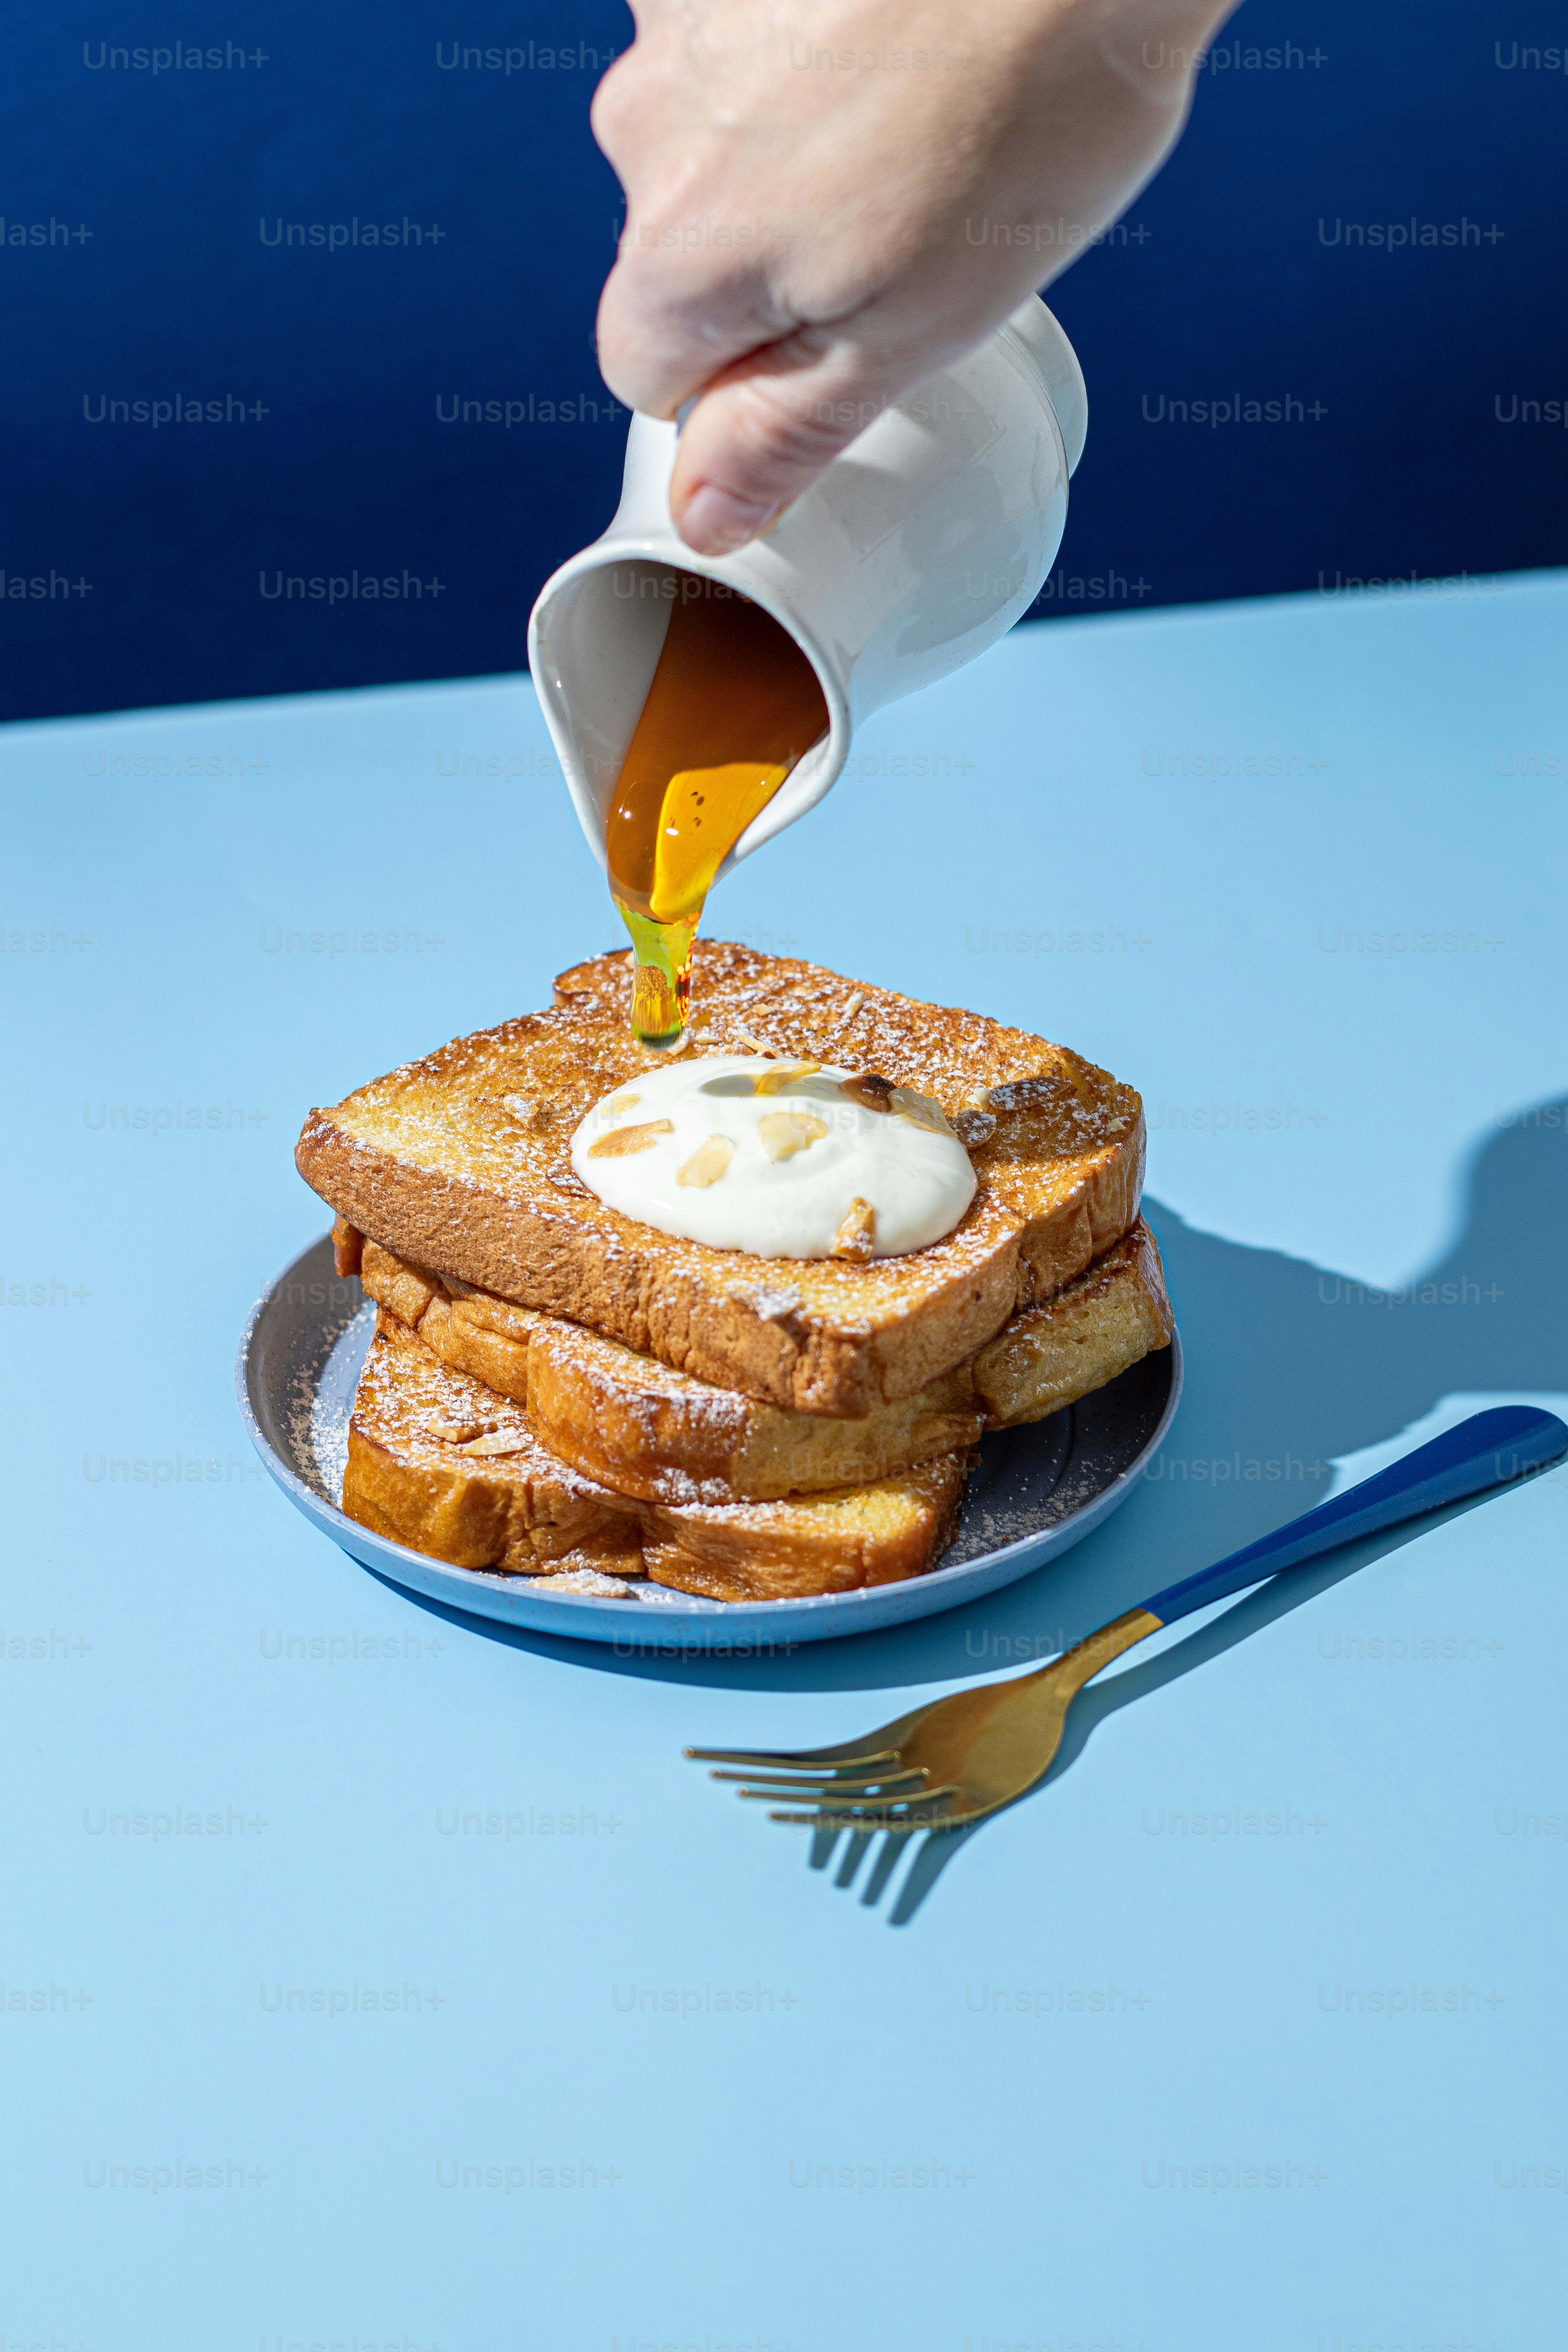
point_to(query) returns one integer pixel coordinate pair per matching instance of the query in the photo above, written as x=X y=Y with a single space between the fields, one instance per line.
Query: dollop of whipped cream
x=780 y=1159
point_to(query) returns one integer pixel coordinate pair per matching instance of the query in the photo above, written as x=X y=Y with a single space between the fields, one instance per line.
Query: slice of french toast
x=439 y=1461
x=876 y=1534
x=412 y=1473
x=459 y=1163
x=639 y=1426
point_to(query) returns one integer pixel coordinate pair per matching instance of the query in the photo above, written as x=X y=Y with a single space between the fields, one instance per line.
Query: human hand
x=828 y=200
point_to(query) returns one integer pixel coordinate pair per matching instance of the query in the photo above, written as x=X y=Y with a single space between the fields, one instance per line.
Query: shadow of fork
x=1263 y=1606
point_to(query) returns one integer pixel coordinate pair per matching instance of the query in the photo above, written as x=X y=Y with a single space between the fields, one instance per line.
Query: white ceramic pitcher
x=912 y=552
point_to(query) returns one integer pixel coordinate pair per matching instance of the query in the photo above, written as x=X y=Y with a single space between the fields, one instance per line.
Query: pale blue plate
x=1037 y=1491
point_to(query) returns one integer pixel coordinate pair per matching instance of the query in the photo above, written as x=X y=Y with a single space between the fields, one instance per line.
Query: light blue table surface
x=1247 y=2030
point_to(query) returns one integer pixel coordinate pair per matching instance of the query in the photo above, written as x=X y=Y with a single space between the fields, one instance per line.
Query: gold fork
x=961 y=1758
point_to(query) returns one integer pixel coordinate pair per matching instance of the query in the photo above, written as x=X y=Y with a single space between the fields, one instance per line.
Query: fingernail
x=714 y=522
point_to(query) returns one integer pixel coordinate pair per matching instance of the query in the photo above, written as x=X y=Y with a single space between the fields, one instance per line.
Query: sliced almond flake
x=869 y=1089
x=784 y=1073
x=920 y=1111
x=852 y=1008
x=783 y=1133
x=857 y=1235
x=497 y=1442
x=621 y=1140
x=708 y=1162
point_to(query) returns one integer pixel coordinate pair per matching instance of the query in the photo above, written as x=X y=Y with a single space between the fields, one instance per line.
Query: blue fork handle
x=1490 y=1449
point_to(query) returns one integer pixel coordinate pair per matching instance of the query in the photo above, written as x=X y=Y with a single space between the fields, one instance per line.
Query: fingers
x=799 y=249
x=668 y=326
x=764 y=431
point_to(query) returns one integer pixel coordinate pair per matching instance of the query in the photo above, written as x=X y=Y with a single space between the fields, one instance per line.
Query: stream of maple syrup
x=734 y=706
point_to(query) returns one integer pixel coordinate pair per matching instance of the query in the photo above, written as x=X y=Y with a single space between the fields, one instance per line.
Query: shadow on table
x=1262 y=1607
x=1288 y=1369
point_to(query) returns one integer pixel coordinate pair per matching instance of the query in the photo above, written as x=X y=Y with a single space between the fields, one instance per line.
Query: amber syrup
x=733 y=705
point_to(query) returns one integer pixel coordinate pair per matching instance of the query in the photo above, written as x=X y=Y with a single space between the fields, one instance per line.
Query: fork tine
x=855 y=1808
x=790 y=1784
x=854 y=1793
x=1000 y=1738
x=820 y=1776
x=809 y=1757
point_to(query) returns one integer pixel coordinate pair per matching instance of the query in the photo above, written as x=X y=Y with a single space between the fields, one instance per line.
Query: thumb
x=766 y=426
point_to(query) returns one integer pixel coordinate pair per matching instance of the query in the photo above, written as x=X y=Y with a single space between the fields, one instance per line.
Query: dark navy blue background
x=1224 y=287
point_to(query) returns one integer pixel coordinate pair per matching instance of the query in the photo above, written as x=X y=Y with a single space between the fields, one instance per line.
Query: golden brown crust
x=458 y=1163
x=1113 y=1314
x=407 y=1291
x=637 y=1426
x=877 y=1534
x=526 y=1512
x=348 y=1243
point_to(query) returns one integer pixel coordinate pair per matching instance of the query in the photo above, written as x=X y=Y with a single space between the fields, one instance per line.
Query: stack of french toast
x=556 y=1390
